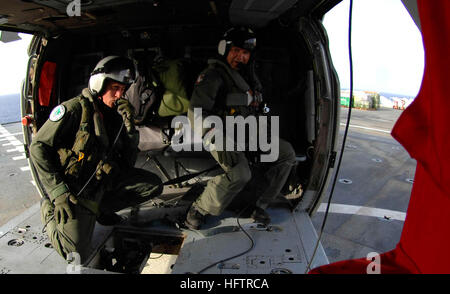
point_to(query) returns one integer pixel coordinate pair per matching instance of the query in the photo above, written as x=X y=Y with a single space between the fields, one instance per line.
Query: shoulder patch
x=57 y=113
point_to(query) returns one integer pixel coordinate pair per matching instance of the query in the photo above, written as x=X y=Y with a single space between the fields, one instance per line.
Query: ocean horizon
x=10 y=109
x=385 y=94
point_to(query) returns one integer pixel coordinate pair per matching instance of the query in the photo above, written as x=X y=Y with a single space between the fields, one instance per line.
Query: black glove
x=125 y=109
x=63 y=212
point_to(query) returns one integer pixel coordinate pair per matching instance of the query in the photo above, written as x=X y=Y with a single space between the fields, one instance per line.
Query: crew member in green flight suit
x=217 y=88
x=84 y=155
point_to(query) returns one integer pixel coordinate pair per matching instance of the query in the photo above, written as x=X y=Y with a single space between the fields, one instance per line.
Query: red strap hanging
x=46 y=83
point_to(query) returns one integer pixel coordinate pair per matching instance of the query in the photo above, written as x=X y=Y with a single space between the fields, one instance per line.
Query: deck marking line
x=363 y=210
x=8 y=134
x=367 y=128
x=19 y=157
x=13 y=143
x=17 y=149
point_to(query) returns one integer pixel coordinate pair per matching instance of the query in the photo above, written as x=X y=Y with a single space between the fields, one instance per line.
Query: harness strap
x=188 y=177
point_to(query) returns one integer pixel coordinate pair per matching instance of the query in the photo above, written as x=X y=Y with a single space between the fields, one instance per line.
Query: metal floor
x=285 y=246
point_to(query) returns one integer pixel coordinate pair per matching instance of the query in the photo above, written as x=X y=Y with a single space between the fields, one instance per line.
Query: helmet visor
x=249 y=44
x=124 y=76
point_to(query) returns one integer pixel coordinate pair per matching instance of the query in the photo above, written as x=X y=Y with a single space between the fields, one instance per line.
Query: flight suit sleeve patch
x=57 y=113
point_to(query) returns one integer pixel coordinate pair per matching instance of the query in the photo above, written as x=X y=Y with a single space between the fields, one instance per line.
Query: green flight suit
x=67 y=150
x=211 y=91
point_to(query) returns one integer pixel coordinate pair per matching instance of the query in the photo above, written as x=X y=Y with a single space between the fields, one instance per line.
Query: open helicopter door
x=423 y=130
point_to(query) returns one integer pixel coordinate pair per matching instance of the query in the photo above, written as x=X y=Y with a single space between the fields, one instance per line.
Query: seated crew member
x=84 y=155
x=224 y=76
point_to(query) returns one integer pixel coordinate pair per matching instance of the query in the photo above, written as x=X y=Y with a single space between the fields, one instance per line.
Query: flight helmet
x=116 y=68
x=240 y=37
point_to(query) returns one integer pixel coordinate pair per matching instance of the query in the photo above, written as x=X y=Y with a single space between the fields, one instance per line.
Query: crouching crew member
x=84 y=155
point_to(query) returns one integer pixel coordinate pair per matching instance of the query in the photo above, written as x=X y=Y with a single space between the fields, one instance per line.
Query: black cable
x=52 y=217
x=343 y=139
x=240 y=254
x=106 y=157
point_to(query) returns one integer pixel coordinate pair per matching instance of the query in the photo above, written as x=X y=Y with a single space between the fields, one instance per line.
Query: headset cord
x=343 y=139
x=105 y=158
x=240 y=254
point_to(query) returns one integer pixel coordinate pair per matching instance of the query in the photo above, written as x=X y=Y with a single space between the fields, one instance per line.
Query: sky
x=13 y=64
x=386 y=47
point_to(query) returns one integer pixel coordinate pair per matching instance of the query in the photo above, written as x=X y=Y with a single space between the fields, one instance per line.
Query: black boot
x=261 y=216
x=194 y=219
